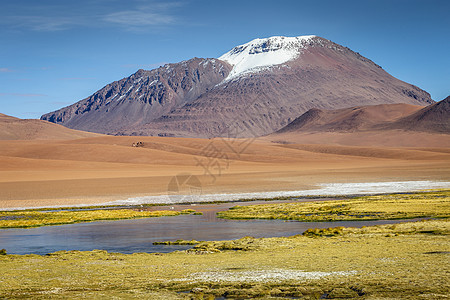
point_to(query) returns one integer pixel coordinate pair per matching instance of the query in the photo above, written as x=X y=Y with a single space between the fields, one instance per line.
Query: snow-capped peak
x=262 y=53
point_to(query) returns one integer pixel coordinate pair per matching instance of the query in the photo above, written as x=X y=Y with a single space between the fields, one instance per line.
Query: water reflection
x=129 y=236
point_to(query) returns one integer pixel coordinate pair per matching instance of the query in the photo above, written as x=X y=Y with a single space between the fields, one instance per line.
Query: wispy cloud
x=59 y=18
x=5 y=70
x=42 y=23
x=21 y=95
x=137 y=18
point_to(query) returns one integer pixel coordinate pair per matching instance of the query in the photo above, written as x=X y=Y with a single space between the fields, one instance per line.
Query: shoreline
x=324 y=190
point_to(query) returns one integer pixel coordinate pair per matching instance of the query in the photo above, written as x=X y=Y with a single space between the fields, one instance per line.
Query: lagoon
x=138 y=235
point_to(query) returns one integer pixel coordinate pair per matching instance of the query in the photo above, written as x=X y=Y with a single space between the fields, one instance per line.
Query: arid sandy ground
x=106 y=168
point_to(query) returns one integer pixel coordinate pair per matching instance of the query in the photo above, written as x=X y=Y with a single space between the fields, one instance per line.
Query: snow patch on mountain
x=260 y=54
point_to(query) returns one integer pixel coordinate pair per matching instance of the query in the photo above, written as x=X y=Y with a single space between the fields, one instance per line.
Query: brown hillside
x=433 y=118
x=12 y=128
x=350 y=119
x=391 y=125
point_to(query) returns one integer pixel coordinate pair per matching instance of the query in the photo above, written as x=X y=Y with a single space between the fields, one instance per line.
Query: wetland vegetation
x=430 y=204
x=406 y=260
x=402 y=261
x=36 y=218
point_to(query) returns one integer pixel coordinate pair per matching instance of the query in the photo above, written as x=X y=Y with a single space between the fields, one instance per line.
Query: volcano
x=252 y=90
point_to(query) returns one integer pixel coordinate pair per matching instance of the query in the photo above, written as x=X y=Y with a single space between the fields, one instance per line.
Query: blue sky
x=56 y=52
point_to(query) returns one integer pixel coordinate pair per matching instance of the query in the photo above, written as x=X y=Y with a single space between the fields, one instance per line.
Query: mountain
x=360 y=118
x=12 y=128
x=391 y=125
x=142 y=97
x=254 y=89
x=433 y=118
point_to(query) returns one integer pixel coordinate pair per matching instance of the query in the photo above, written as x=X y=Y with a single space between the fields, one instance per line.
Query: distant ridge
x=361 y=118
x=387 y=125
x=12 y=128
x=433 y=118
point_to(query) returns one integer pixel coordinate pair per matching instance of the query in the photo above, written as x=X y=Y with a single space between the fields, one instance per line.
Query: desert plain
x=47 y=165
x=100 y=169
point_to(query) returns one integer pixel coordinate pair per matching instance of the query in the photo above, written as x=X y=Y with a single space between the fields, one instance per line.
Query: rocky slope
x=254 y=89
x=142 y=97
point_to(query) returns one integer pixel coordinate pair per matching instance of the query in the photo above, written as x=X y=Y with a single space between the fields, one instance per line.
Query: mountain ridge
x=154 y=92
x=360 y=118
x=264 y=98
x=433 y=118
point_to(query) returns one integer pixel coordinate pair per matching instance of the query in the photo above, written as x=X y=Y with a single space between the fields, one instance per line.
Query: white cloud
x=5 y=70
x=136 y=18
x=63 y=18
x=43 y=23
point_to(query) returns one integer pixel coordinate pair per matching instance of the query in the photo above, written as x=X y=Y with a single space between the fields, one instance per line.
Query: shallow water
x=138 y=235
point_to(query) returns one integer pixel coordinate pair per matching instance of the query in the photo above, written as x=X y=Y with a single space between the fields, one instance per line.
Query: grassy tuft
x=187 y=211
x=335 y=231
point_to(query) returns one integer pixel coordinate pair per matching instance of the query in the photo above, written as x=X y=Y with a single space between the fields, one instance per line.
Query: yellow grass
x=397 y=206
x=26 y=219
x=404 y=261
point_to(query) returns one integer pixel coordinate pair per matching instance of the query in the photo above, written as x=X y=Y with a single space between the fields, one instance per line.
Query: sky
x=56 y=52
